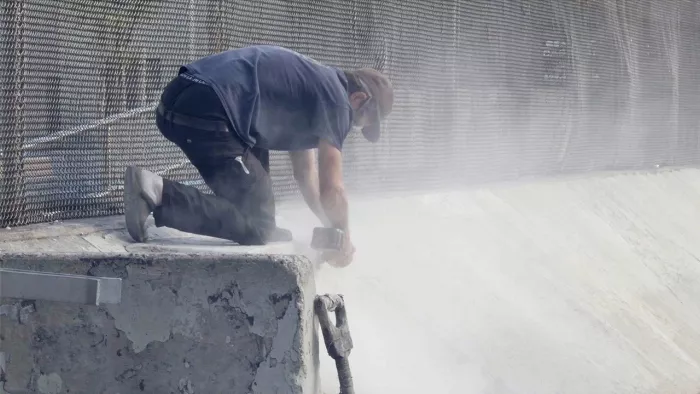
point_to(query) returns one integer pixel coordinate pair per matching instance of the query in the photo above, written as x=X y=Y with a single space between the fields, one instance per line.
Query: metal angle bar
x=162 y=172
x=37 y=142
x=46 y=286
x=112 y=189
x=79 y=129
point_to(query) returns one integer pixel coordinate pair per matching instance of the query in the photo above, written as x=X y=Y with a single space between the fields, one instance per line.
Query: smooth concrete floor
x=581 y=285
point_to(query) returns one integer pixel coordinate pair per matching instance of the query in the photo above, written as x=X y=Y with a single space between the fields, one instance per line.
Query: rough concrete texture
x=211 y=318
x=588 y=285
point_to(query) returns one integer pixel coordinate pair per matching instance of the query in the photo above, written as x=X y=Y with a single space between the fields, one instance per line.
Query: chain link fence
x=485 y=90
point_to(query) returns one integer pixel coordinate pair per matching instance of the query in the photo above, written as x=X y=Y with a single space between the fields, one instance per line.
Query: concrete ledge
x=187 y=323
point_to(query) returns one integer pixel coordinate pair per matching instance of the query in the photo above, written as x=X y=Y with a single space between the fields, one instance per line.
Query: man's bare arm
x=306 y=175
x=333 y=198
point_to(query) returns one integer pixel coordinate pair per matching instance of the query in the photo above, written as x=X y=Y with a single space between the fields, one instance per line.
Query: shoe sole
x=136 y=208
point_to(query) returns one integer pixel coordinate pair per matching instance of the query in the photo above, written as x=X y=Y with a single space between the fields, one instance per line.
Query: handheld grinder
x=327 y=239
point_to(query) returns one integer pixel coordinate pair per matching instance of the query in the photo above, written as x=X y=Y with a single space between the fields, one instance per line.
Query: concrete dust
x=50 y=384
x=585 y=285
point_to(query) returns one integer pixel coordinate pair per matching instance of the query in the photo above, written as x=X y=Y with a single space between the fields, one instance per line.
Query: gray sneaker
x=137 y=206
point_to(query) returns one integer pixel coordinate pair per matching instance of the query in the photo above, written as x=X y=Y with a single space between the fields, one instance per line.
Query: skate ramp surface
x=577 y=285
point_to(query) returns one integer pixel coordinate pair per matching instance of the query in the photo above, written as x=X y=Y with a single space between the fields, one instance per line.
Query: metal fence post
x=12 y=121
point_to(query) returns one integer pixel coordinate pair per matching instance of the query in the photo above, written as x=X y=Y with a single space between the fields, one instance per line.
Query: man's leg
x=242 y=209
x=258 y=201
x=263 y=155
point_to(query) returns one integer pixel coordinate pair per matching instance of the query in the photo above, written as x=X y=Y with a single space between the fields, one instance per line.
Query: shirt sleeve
x=333 y=125
x=333 y=117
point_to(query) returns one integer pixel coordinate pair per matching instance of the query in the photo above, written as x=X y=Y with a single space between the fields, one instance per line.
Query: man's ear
x=357 y=98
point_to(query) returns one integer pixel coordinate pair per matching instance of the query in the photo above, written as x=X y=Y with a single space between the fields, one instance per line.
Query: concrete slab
x=196 y=316
x=579 y=285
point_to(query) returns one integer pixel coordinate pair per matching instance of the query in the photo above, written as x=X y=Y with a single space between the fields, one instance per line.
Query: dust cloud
x=550 y=286
x=394 y=300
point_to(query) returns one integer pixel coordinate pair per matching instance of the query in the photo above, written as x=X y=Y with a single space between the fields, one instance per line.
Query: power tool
x=327 y=239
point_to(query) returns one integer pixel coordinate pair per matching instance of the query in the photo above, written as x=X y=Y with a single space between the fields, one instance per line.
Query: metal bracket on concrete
x=47 y=286
x=336 y=337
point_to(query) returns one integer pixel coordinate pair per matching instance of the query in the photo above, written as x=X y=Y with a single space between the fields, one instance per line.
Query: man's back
x=278 y=99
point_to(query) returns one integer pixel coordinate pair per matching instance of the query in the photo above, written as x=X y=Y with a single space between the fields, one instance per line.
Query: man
x=225 y=112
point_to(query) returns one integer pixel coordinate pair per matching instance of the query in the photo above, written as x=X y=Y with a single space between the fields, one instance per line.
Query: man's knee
x=265 y=233
x=258 y=233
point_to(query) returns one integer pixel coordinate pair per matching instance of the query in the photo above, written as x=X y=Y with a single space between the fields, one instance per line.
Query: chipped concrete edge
x=297 y=268
x=297 y=265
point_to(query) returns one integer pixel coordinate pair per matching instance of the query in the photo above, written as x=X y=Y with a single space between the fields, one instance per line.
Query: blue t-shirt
x=277 y=99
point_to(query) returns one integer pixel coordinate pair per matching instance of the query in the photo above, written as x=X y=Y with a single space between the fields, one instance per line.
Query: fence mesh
x=485 y=90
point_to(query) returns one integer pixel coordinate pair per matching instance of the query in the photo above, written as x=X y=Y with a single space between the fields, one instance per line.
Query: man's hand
x=341 y=258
